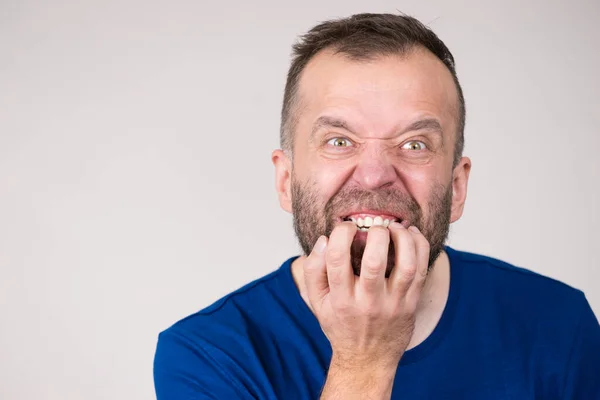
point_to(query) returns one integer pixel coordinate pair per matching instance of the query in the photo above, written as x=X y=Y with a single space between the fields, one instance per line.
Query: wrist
x=354 y=362
x=354 y=378
x=364 y=368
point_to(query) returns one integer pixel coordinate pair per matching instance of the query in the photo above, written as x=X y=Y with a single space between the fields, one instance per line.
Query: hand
x=368 y=319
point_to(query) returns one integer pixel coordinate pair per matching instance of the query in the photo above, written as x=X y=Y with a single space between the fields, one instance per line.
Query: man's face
x=312 y=219
x=375 y=141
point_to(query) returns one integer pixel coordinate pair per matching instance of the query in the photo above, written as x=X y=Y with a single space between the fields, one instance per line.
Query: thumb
x=315 y=273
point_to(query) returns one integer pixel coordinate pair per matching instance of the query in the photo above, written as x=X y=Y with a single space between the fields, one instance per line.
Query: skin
x=396 y=299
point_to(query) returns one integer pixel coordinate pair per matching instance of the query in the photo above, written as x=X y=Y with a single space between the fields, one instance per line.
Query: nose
x=374 y=168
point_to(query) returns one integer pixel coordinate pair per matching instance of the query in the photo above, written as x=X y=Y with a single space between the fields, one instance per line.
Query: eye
x=414 y=145
x=339 y=142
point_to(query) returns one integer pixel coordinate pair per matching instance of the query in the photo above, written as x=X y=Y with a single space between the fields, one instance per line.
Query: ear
x=283 y=178
x=460 y=180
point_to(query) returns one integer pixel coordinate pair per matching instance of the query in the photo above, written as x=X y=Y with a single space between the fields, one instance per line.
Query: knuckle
x=398 y=313
x=335 y=279
x=408 y=271
x=335 y=257
x=404 y=310
x=371 y=262
x=422 y=275
x=410 y=307
x=342 y=306
x=370 y=274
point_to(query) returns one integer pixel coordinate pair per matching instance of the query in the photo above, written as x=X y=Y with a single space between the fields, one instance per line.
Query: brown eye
x=339 y=142
x=414 y=145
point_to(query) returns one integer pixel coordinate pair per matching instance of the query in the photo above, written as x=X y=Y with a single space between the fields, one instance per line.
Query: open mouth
x=364 y=222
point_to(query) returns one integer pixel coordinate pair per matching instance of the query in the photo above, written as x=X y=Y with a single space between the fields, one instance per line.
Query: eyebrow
x=328 y=122
x=430 y=124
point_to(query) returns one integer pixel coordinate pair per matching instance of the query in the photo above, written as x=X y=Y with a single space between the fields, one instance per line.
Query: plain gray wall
x=135 y=178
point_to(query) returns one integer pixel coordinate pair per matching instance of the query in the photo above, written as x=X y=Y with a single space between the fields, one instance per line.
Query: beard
x=312 y=219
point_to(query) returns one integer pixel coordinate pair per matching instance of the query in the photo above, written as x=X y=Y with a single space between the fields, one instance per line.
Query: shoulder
x=527 y=312
x=507 y=280
x=526 y=302
x=214 y=349
x=551 y=321
x=239 y=306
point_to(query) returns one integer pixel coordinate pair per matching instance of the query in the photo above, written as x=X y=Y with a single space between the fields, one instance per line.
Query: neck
x=431 y=305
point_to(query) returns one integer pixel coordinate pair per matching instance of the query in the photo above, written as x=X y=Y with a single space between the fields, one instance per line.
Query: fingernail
x=414 y=229
x=396 y=224
x=320 y=245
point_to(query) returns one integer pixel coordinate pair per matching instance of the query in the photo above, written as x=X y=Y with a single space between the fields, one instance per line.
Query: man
x=377 y=307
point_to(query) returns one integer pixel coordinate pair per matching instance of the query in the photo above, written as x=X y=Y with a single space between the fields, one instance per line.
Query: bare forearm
x=372 y=383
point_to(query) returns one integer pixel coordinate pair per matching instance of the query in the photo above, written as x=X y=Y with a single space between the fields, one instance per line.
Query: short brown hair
x=364 y=37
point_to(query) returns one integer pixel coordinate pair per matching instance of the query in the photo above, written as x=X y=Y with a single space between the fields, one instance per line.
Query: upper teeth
x=367 y=222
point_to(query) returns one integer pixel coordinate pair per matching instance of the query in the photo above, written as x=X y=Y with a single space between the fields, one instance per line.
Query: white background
x=135 y=177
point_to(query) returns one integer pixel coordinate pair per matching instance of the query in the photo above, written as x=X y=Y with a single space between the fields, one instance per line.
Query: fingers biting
x=422 y=249
x=337 y=258
x=374 y=260
x=405 y=265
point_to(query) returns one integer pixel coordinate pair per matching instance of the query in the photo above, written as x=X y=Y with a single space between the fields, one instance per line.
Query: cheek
x=329 y=177
x=419 y=180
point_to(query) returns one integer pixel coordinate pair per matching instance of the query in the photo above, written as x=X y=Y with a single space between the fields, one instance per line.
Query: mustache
x=392 y=200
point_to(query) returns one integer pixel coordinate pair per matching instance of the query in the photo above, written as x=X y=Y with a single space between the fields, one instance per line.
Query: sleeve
x=185 y=371
x=582 y=380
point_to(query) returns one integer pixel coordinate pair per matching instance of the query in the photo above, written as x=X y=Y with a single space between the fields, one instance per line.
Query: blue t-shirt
x=505 y=333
